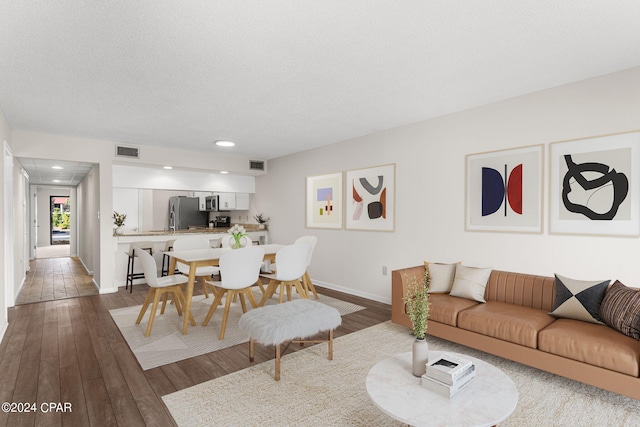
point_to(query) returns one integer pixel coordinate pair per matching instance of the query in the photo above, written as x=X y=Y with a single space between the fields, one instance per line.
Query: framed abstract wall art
x=504 y=190
x=370 y=198
x=324 y=201
x=595 y=185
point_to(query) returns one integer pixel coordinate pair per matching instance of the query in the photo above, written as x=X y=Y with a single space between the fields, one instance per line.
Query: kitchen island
x=159 y=238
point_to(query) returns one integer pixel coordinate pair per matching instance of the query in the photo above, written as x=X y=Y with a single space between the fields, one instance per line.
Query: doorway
x=60 y=220
x=53 y=216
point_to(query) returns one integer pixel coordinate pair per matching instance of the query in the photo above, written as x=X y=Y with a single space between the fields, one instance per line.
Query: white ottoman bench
x=289 y=322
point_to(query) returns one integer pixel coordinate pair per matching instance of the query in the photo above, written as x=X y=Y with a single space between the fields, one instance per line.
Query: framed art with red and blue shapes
x=504 y=190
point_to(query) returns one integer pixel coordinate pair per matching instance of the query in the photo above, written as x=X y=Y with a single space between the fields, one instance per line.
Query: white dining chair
x=245 y=241
x=202 y=273
x=292 y=263
x=306 y=279
x=157 y=287
x=239 y=271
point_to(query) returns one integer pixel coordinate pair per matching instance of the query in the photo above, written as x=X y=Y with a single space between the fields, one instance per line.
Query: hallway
x=55 y=278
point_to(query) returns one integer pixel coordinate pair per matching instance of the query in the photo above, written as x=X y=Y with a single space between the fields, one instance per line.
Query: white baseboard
x=95 y=284
x=103 y=291
x=350 y=291
x=89 y=272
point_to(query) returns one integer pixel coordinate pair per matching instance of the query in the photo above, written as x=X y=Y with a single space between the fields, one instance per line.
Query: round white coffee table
x=488 y=400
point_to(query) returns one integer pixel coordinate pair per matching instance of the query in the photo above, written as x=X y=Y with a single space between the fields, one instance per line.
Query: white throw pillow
x=470 y=282
x=440 y=276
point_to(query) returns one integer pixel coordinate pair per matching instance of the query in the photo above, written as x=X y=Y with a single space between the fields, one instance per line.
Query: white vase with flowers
x=238 y=232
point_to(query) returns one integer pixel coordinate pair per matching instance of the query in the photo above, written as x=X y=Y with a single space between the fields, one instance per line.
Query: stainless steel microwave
x=212 y=204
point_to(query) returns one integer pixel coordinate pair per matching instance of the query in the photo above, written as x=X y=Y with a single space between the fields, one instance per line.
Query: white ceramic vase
x=119 y=230
x=420 y=352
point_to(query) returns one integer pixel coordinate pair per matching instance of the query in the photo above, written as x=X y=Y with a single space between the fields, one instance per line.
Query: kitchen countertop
x=215 y=230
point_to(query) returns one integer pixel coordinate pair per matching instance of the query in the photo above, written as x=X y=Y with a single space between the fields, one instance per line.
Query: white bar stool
x=131 y=274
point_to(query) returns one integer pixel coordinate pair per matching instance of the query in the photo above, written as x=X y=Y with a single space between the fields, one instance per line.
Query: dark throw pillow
x=620 y=309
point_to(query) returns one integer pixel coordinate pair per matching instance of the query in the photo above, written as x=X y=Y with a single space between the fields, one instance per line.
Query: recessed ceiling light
x=57 y=167
x=225 y=143
x=56 y=180
x=224 y=171
x=167 y=167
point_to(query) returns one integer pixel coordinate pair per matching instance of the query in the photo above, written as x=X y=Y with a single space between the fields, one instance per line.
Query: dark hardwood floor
x=70 y=351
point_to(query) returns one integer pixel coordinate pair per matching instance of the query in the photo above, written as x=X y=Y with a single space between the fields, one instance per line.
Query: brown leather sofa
x=514 y=323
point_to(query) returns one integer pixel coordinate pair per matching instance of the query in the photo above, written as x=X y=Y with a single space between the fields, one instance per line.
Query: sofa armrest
x=399 y=280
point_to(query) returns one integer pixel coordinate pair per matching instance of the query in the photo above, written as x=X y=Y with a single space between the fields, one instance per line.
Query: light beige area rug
x=166 y=344
x=314 y=391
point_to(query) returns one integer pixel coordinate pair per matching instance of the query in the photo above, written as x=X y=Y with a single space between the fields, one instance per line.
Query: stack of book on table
x=448 y=374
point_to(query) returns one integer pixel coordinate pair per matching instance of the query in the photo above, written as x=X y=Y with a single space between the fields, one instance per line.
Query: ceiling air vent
x=256 y=165
x=124 y=151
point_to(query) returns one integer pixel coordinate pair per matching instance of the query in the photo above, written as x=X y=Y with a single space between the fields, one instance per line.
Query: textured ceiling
x=284 y=76
x=55 y=172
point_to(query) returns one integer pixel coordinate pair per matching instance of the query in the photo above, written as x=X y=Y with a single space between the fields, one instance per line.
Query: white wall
x=430 y=191
x=89 y=246
x=20 y=262
x=5 y=135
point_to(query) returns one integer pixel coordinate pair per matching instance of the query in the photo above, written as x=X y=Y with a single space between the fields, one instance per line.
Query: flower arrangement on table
x=238 y=232
x=417 y=304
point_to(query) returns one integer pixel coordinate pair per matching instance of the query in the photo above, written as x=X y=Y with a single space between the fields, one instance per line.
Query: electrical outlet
x=384 y=270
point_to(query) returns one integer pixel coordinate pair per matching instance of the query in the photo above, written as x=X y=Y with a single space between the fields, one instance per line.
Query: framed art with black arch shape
x=324 y=201
x=371 y=198
x=504 y=190
x=595 y=185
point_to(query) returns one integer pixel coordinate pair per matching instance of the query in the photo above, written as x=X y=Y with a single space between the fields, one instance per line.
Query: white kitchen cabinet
x=227 y=201
x=233 y=201
x=242 y=201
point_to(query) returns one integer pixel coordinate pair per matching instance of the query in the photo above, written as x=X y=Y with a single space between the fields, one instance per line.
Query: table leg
x=331 y=344
x=187 y=297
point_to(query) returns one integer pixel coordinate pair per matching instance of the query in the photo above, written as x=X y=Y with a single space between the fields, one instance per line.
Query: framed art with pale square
x=371 y=194
x=324 y=201
x=595 y=185
x=504 y=190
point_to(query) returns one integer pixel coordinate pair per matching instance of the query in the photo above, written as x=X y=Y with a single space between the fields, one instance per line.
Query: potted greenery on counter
x=261 y=220
x=118 y=221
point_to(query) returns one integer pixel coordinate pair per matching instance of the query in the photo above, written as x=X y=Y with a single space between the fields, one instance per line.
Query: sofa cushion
x=445 y=308
x=594 y=344
x=508 y=322
x=579 y=299
x=529 y=290
x=620 y=309
x=470 y=282
x=440 y=276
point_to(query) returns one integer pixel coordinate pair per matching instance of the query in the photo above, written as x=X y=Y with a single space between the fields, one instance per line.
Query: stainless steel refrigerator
x=184 y=213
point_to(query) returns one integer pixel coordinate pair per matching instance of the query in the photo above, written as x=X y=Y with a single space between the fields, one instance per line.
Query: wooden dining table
x=195 y=258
